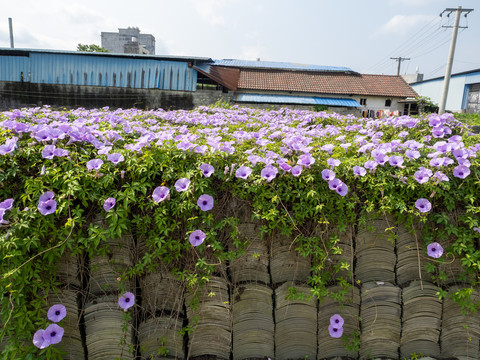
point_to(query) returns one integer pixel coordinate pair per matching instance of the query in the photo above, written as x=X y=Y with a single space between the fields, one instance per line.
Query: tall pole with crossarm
x=448 y=71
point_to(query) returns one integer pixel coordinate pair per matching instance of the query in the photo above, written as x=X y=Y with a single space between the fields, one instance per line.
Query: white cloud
x=403 y=24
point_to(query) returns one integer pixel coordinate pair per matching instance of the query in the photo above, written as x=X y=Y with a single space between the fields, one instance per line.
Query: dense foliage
x=300 y=172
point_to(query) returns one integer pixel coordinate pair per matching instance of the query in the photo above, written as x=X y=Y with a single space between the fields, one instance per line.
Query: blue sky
x=360 y=34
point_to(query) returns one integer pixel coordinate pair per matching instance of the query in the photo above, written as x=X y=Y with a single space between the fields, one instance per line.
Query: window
x=363 y=101
x=388 y=102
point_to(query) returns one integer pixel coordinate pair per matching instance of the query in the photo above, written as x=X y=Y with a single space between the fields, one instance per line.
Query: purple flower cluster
x=335 y=328
x=53 y=333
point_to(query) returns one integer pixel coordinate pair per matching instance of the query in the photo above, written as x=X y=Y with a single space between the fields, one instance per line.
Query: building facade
x=257 y=83
x=128 y=41
x=463 y=92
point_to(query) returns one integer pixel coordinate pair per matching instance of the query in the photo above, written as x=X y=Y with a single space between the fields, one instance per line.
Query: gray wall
x=14 y=95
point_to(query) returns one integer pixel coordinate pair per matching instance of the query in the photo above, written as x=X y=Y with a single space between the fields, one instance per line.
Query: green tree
x=91 y=48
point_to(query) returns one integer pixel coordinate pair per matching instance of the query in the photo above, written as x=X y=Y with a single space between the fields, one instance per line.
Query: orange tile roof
x=325 y=83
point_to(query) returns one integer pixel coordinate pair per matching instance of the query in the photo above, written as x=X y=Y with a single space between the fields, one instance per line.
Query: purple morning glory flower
x=336 y=320
x=439 y=176
x=328 y=174
x=115 y=158
x=53 y=334
x=333 y=184
x=56 y=312
x=243 y=172
x=254 y=159
x=412 y=154
x=434 y=250
x=477 y=229
x=342 y=189
x=48 y=195
x=47 y=207
x=328 y=147
x=126 y=301
x=306 y=160
x=6 y=204
x=201 y=149
x=60 y=152
x=395 y=161
x=333 y=162
x=269 y=172
x=109 y=204
x=94 y=164
x=182 y=184
x=39 y=341
x=9 y=146
x=2 y=214
x=423 y=205
x=205 y=202
x=160 y=193
x=437 y=162
x=359 y=171
x=48 y=152
x=461 y=171
x=421 y=176
x=285 y=167
x=296 y=170
x=381 y=158
x=371 y=165
x=335 y=331
x=197 y=237
x=207 y=170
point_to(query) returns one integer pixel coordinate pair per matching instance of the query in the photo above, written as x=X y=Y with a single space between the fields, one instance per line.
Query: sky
x=360 y=34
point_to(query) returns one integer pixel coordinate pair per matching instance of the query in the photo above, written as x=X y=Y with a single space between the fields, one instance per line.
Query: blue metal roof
x=289 y=99
x=278 y=65
x=78 y=68
x=26 y=52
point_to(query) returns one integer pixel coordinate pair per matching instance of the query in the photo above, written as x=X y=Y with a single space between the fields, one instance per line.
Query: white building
x=463 y=92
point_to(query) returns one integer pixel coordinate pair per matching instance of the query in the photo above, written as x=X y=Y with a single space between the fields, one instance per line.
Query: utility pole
x=448 y=71
x=399 y=59
x=10 y=26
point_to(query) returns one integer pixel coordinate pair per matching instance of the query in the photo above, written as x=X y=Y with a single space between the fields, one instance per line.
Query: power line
x=419 y=34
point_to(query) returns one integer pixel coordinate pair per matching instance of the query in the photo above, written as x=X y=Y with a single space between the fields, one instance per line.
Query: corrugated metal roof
x=289 y=99
x=74 y=68
x=278 y=65
x=15 y=51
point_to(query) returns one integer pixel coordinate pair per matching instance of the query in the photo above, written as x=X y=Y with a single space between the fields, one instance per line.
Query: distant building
x=128 y=41
x=263 y=83
x=463 y=92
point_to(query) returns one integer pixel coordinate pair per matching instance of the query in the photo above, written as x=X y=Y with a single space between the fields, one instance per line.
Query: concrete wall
x=16 y=95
